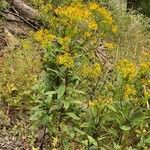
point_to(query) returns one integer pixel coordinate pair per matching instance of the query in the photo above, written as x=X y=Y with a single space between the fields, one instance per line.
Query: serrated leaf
x=72 y=115
x=61 y=91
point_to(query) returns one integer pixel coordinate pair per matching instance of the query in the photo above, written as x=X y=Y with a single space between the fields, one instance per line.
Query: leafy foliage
x=94 y=89
x=80 y=100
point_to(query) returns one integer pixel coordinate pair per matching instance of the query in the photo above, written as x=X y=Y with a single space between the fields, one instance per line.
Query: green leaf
x=85 y=125
x=66 y=104
x=50 y=92
x=125 y=128
x=72 y=115
x=79 y=131
x=111 y=107
x=52 y=70
x=79 y=92
x=147 y=140
x=54 y=108
x=101 y=138
x=92 y=141
x=61 y=91
x=49 y=96
x=45 y=119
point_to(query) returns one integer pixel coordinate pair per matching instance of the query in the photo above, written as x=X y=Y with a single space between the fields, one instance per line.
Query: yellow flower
x=82 y=15
x=129 y=91
x=87 y=34
x=145 y=67
x=75 y=12
x=110 y=45
x=66 y=60
x=44 y=37
x=106 y=15
x=26 y=45
x=92 y=25
x=126 y=69
x=114 y=29
x=96 y=70
x=93 y=6
x=91 y=71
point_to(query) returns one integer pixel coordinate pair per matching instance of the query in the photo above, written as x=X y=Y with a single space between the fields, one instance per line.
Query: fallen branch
x=24 y=9
x=22 y=18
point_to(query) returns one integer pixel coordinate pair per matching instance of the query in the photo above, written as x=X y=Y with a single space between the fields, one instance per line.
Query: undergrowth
x=95 y=86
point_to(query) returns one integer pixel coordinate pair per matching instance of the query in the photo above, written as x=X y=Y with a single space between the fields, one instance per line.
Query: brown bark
x=24 y=9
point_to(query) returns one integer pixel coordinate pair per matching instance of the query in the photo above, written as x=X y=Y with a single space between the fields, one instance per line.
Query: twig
x=17 y=15
x=13 y=8
x=43 y=138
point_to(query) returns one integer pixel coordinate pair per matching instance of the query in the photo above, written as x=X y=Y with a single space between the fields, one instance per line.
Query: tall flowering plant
x=71 y=66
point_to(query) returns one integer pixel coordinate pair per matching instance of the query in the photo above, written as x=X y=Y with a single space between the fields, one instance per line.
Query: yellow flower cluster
x=93 y=6
x=126 y=69
x=75 y=12
x=92 y=25
x=83 y=13
x=103 y=12
x=129 y=91
x=92 y=71
x=44 y=37
x=114 y=28
x=110 y=45
x=65 y=59
x=107 y=15
x=87 y=34
x=145 y=67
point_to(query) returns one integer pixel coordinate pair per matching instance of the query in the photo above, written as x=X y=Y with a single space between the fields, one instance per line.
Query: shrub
x=81 y=100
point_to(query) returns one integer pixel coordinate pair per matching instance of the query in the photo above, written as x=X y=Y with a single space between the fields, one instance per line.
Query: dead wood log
x=10 y=17
x=24 y=9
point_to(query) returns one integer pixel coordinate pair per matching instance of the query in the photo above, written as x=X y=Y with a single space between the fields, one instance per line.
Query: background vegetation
x=90 y=86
